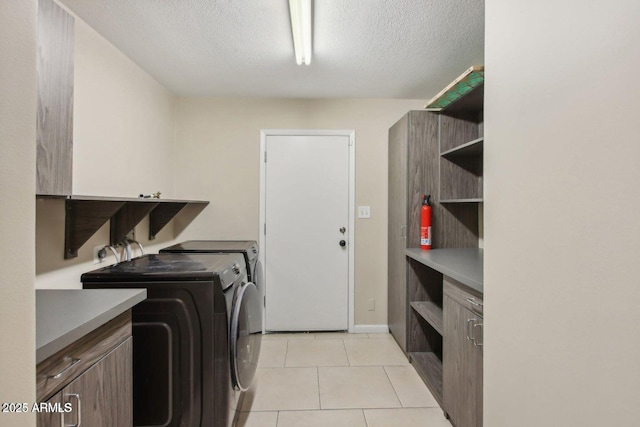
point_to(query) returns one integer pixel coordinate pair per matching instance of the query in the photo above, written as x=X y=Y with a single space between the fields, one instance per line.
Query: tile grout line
x=384 y=368
x=286 y=353
x=366 y=423
x=344 y=345
x=318 y=378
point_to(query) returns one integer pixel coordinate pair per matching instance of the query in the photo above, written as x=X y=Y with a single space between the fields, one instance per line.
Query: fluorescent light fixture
x=300 y=11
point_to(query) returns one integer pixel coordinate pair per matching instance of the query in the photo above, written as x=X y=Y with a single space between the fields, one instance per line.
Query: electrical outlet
x=364 y=211
x=371 y=304
x=97 y=251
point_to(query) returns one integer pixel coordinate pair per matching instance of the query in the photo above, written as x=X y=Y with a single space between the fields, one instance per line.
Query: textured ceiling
x=244 y=48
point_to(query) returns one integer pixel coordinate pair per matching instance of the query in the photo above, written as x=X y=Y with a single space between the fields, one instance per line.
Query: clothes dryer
x=196 y=338
x=248 y=248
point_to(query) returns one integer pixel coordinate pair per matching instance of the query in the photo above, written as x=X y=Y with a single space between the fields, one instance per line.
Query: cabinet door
x=462 y=365
x=103 y=396
x=52 y=419
x=397 y=264
x=54 y=136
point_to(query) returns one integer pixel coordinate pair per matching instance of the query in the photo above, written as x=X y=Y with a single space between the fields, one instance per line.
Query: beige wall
x=17 y=175
x=123 y=134
x=129 y=140
x=217 y=154
x=123 y=123
x=562 y=233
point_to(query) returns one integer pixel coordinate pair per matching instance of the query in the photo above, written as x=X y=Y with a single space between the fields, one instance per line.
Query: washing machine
x=196 y=338
x=248 y=249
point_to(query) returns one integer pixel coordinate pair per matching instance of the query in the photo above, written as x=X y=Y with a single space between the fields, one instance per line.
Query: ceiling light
x=300 y=11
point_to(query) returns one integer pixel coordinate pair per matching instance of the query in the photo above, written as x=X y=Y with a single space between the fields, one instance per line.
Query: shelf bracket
x=161 y=215
x=127 y=218
x=83 y=218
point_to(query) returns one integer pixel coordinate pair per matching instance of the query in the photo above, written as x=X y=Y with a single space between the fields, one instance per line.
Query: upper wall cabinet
x=55 y=100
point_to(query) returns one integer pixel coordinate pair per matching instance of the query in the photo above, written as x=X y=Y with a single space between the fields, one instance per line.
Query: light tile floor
x=337 y=380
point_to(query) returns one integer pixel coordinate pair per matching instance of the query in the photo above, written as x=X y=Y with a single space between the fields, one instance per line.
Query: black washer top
x=167 y=266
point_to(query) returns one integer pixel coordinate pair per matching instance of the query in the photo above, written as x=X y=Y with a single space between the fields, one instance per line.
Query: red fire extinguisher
x=425 y=223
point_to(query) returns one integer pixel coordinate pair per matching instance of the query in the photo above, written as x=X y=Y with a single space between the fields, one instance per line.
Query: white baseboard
x=371 y=329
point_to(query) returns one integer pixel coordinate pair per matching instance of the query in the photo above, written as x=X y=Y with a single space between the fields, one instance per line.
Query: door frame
x=264 y=133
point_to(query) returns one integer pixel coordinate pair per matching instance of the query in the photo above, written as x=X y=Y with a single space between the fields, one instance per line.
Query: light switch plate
x=364 y=211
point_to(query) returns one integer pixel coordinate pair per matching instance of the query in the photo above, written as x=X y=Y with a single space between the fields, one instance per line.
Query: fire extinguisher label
x=425 y=238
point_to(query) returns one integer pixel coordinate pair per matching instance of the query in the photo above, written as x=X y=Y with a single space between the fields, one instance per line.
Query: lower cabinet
x=95 y=388
x=462 y=356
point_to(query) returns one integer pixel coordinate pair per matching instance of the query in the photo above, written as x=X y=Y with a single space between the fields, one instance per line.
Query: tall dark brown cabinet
x=412 y=172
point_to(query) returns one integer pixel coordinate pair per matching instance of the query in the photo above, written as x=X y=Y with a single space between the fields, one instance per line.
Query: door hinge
x=265 y=228
x=265 y=301
x=265 y=157
x=350 y=142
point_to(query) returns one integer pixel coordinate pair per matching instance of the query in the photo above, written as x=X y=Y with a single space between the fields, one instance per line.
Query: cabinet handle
x=473 y=301
x=470 y=329
x=403 y=231
x=79 y=410
x=64 y=371
x=475 y=341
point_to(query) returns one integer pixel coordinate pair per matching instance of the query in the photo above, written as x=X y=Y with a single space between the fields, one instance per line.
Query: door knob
x=343 y=243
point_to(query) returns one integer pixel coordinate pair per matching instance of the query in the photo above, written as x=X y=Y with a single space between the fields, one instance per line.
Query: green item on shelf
x=460 y=88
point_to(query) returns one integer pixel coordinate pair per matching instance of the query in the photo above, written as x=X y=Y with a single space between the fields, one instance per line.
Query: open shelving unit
x=85 y=215
x=425 y=324
x=460 y=106
x=444 y=158
x=430 y=312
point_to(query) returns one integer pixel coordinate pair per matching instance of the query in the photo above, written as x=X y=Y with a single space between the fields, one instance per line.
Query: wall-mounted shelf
x=85 y=215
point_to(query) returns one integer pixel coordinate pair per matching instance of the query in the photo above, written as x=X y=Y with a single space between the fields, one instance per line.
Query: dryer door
x=246 y=335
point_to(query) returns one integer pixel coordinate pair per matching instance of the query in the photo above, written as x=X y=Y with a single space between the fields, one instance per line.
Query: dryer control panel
x=236 y=271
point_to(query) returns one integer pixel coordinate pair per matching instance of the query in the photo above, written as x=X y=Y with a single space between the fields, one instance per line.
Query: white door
x=306 y=239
